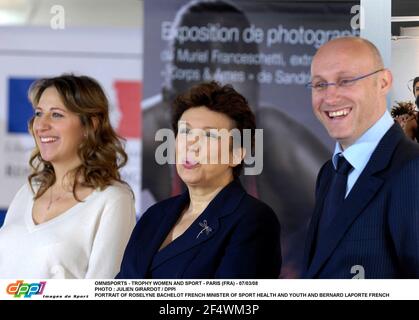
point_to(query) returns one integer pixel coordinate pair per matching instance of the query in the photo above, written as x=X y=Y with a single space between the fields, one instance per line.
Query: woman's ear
x=238 y=156
x=95 y=122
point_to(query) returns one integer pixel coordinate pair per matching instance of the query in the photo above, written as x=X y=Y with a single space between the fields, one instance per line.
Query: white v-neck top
x=86 y=241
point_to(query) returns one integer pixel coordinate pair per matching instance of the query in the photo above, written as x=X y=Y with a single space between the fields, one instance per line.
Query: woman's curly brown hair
x=401 y=108
x=101 y=152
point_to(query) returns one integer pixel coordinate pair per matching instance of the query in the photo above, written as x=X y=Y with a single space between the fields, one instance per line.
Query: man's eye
x=320 y=85
x=345 y=82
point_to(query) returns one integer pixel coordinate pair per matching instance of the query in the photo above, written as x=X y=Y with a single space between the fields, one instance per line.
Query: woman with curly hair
x=406 y=115
x=74 y=217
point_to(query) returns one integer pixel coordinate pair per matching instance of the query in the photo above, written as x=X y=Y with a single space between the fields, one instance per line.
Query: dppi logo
x=27 y=290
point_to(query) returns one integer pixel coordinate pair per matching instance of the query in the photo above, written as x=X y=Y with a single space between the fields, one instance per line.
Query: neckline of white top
x=32 y=226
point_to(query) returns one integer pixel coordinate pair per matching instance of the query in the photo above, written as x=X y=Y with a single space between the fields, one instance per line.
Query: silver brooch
x=205 y=227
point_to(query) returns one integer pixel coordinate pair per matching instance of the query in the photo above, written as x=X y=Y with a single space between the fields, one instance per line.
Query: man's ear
x=386 y=81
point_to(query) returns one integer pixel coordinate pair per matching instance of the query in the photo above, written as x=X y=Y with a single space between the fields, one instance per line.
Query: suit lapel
x=205 y=226
x=171 y=214
x=362 y=193
x=311 y=238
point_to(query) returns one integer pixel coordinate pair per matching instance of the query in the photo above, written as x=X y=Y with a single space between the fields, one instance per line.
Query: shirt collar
x=361 y=150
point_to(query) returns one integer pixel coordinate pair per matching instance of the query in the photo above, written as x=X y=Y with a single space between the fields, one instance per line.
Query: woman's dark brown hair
x=101 y=152
x=219 y=98
x=402 y=108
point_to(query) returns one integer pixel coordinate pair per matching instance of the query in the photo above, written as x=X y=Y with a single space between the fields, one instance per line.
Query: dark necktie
x=336 y=195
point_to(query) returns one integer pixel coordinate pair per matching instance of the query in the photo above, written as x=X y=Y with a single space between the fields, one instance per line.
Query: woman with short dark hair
x=214 y=229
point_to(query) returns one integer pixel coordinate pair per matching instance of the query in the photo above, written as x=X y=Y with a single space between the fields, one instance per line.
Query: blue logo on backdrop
x=20 y=109
x=2 y=216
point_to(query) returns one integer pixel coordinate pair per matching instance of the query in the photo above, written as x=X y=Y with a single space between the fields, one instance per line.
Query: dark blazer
x=236 y=236
x=377 y=231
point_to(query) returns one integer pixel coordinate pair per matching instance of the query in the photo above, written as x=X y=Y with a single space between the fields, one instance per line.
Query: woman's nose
x=193 y=141
x=42 y=123
x=193 y=145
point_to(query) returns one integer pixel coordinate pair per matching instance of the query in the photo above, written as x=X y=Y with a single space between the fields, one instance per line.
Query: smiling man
x=366 y=219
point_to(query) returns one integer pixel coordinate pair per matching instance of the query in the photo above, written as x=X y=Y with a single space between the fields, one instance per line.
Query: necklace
x=52 y=200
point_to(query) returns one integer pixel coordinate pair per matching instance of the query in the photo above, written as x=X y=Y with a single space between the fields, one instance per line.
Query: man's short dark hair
x=416 y=80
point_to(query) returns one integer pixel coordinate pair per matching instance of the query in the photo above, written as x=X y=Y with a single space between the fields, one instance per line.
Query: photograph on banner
x=264 y=49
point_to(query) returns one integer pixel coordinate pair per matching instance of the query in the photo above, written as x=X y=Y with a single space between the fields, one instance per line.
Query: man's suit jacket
x=376 y=233
x=236 y=236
